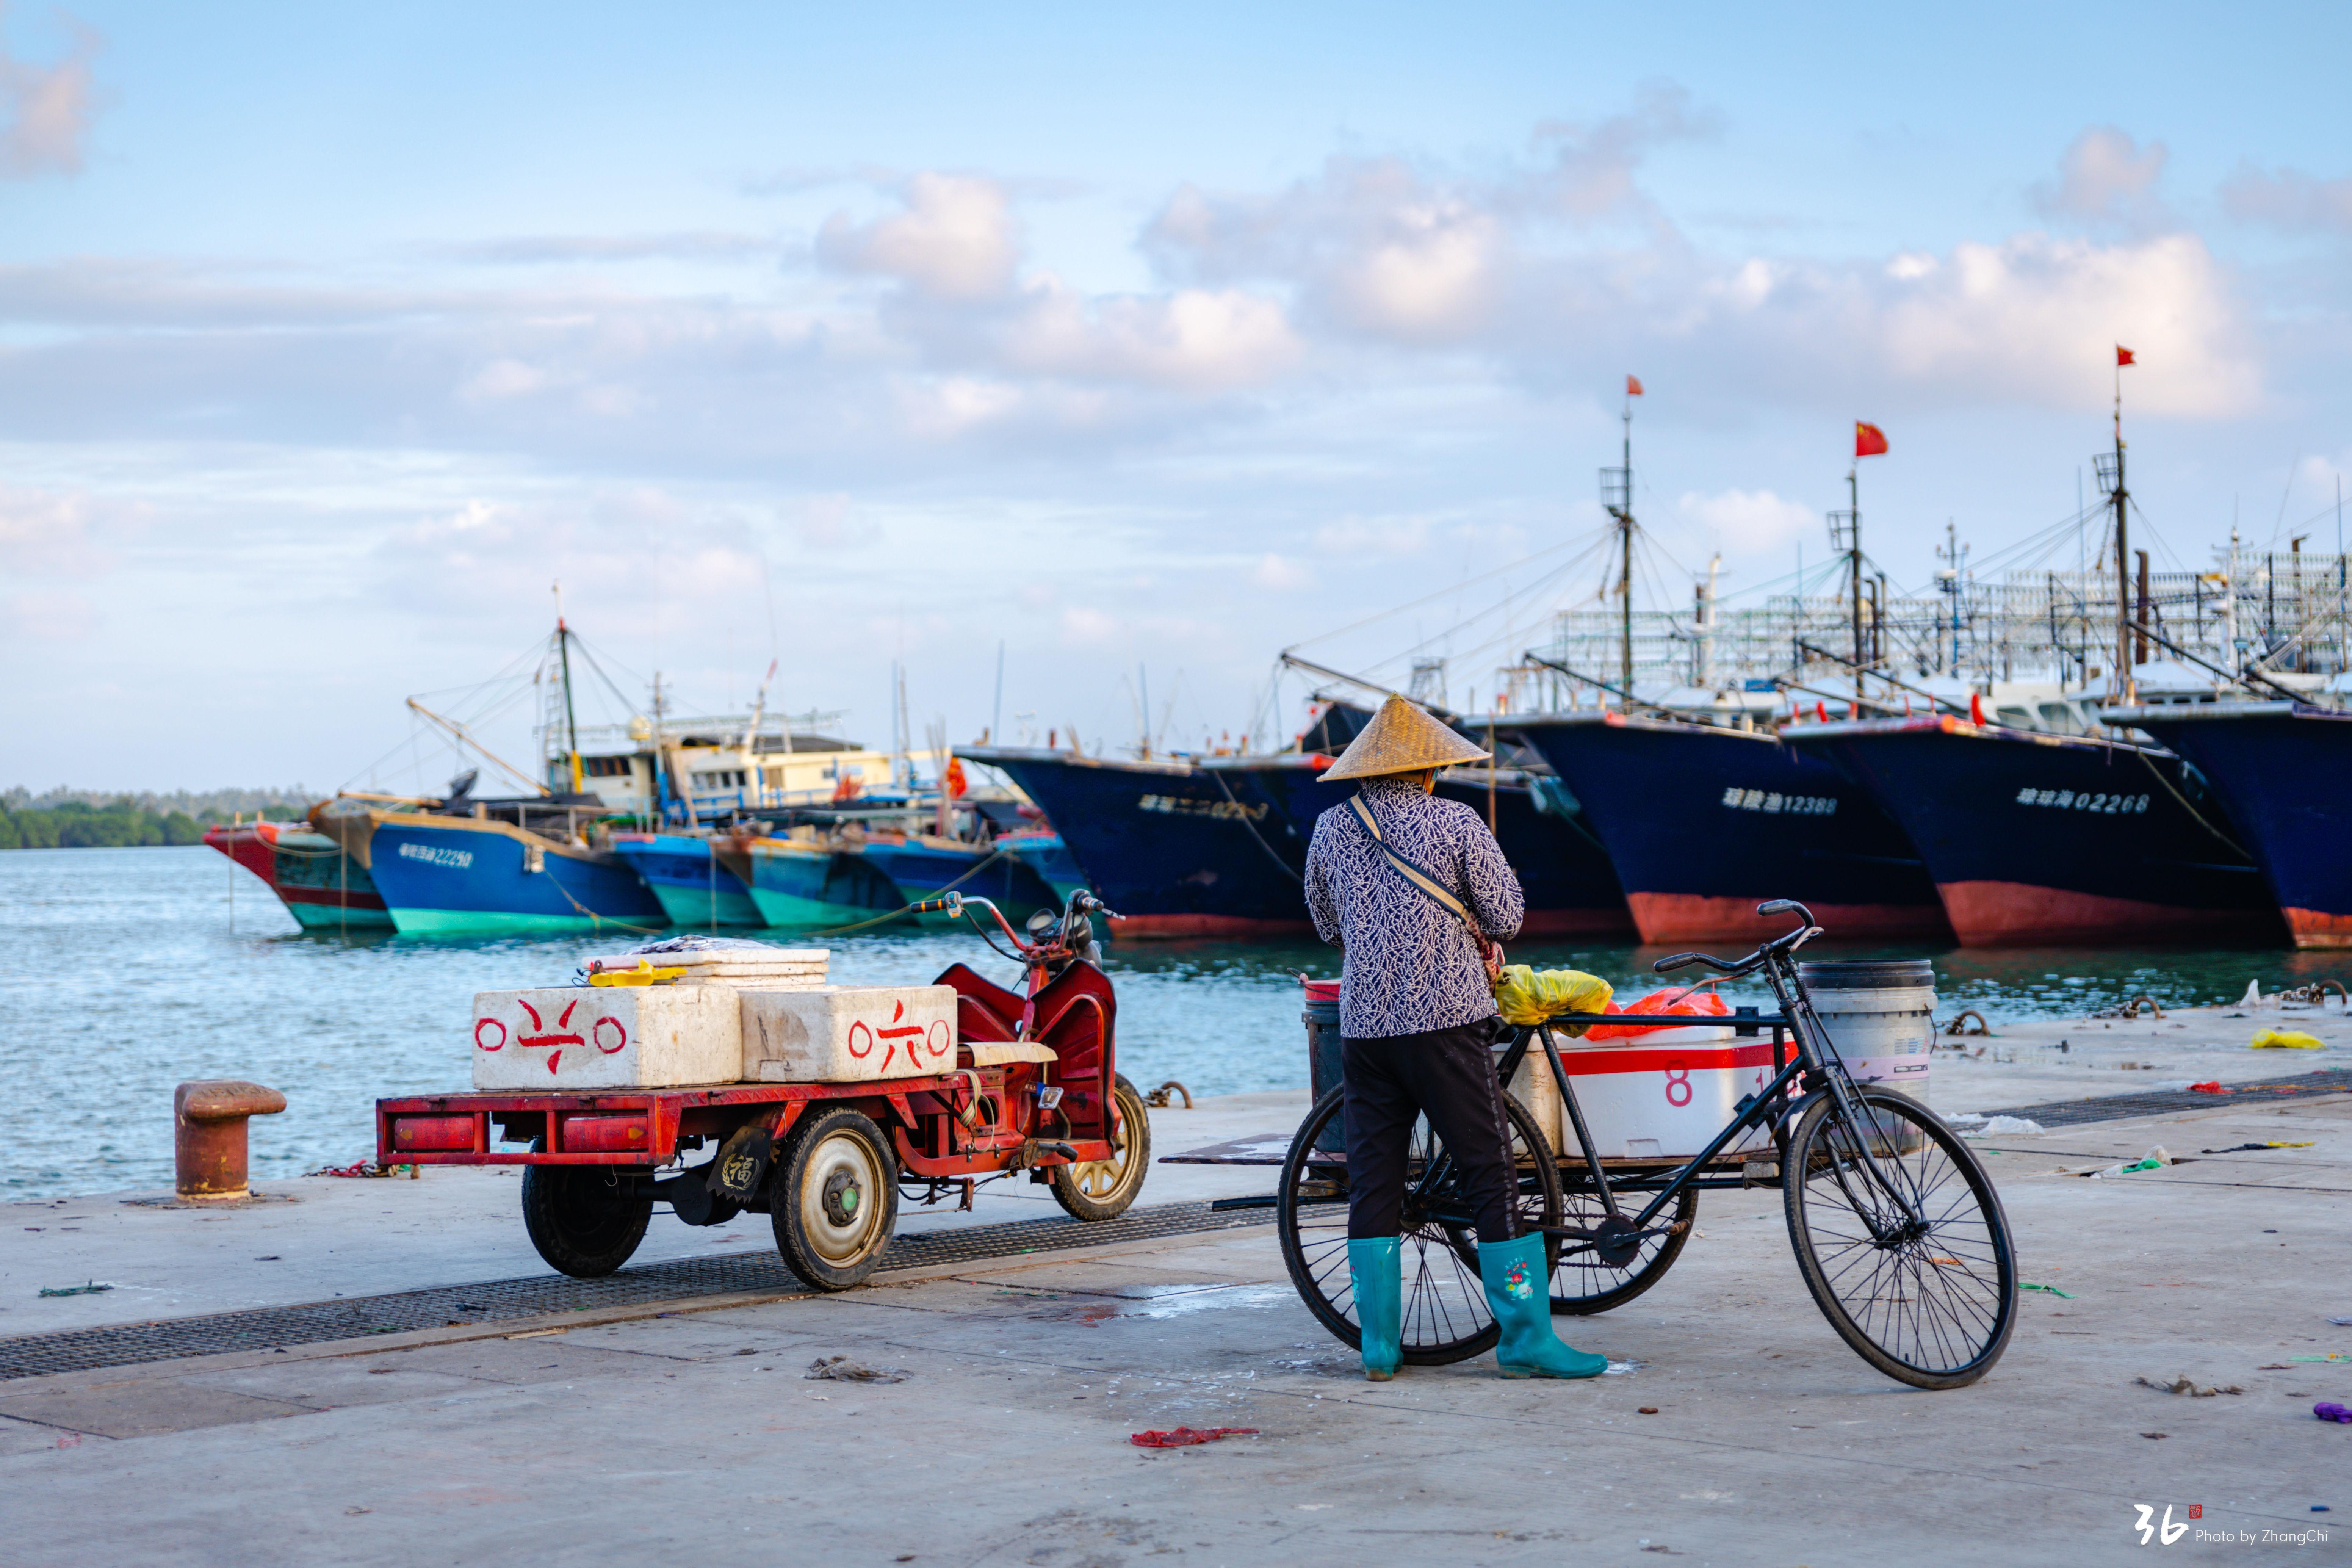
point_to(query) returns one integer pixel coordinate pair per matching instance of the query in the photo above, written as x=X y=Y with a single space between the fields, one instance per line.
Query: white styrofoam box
x=1664 y=1092
x=848 y=1034
x=615 y=1036
x=1883 y=1035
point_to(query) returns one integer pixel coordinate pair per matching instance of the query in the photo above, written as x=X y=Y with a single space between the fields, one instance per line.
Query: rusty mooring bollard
x=210 y=1138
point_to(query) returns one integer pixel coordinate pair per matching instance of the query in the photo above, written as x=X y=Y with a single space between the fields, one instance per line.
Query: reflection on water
x=121 y=974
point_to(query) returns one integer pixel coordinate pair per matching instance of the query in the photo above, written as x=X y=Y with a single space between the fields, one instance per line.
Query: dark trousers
x=1448 y=1076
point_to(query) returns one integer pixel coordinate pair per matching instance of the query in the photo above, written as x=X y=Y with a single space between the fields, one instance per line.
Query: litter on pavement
x=2185 y=1384
x=841 y=1369
x=1189 y=1437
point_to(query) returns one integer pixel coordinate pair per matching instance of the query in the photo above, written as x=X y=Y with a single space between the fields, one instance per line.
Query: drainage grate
x=129 y=1344
x=2115 y=1107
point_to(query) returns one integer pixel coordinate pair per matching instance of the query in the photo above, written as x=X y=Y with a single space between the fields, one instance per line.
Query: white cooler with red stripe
x=1663 y=1093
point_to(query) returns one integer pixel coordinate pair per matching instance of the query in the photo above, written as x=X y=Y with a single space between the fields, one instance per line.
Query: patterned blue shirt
x=1410 y=966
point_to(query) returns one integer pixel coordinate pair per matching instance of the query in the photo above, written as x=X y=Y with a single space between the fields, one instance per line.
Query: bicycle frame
x=1769 y=1106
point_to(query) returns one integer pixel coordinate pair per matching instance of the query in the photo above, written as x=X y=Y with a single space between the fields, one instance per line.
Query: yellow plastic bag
x=2286 y=1040
x=1527 y=995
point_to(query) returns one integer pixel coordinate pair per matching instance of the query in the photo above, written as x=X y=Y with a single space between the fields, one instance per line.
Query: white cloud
x=1088 y=626
x=1379 y=537
x=1192 y=339
x=47 y=614
x=1748 y=521
x=2035 y=319
x=953 y=238
x=50 y=533
x=830 y=523
x=2290 y=200
x=45 y=111
x=503 y=378
x=2106 y=176
x=1281 y=573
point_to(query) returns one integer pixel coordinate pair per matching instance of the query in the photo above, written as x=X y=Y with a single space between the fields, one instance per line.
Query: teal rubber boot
x=1519 y=1293
x=1380 y=1304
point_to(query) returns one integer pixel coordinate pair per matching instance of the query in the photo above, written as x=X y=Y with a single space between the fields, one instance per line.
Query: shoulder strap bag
x=1490 y=951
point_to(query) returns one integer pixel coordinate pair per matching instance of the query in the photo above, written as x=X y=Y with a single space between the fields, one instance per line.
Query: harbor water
x=125 y=972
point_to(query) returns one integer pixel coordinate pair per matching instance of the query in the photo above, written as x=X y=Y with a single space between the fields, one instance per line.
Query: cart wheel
x=1101 y=1189
x=1901 y=1238
x=1583 y=1282
x=585 y=1220
x=834 y=1199
x=1445 y=1317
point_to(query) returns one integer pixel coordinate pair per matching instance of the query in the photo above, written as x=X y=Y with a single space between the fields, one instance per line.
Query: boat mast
x=571 y=717
x=1853 y=561
x=2125 y=686
x=1617 y=497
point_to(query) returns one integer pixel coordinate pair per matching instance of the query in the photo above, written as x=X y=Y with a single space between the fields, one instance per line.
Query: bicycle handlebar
x=1786 y=940
x=1673 y=962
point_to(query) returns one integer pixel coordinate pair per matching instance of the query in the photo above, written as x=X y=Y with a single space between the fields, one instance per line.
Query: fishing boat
x=1570 y=886
x=1168 y=845
x=801 y=884
x=2038 y=839
x=1704 y=822
x=1043 y=851
x=700 y=878
x=2276 y=766
x=321 y=886
x=490 y=867
x=924 y=866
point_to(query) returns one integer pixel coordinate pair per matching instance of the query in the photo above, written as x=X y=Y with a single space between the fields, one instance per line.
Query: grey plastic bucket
x=1323 y=1066
x=1881 y=1016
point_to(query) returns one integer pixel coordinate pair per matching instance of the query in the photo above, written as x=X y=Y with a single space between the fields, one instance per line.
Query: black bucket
x=1323 y=1066
x=1868 y=974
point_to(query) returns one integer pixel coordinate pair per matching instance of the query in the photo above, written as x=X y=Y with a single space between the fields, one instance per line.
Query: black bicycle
x=1897 y=1231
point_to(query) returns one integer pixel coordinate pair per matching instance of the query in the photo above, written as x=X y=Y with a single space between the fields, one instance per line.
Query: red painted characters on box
x=604 y=1032
x=934 y=1047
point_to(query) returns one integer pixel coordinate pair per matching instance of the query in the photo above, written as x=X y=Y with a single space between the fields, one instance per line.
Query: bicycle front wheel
x=1901 y=1238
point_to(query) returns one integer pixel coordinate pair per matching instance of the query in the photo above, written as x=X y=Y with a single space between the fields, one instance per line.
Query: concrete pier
x=690 y=1426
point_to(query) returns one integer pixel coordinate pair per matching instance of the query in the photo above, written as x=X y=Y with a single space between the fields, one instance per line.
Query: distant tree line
x=77 y=820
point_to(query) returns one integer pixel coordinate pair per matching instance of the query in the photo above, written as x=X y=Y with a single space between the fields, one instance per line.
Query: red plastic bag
x=1188 y=1436
x=1677 y=1001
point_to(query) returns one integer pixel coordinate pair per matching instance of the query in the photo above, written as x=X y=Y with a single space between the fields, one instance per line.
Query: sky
x=1138 y=343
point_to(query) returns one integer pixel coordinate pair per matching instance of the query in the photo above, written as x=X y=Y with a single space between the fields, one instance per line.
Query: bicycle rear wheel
x=1901 y=1239
x=1445 y=1317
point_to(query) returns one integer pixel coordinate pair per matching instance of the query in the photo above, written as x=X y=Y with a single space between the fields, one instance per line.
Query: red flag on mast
x=2124 y=356
x=1869 y=440
x=1633 y=386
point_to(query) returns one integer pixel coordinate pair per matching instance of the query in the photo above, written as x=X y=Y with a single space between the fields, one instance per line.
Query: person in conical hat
x=1414 y=890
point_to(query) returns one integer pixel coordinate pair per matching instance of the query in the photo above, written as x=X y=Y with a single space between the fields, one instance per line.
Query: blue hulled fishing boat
x=1705 y=822
x=2036 y=839
x=1169 y=845
x=2277 y=768
x=504 y=870
x=698 y=879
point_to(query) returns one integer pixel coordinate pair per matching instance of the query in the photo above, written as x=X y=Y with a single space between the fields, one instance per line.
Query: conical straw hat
x=1402 y=739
